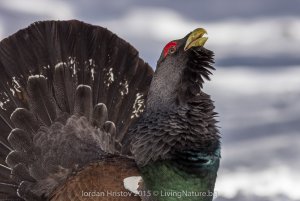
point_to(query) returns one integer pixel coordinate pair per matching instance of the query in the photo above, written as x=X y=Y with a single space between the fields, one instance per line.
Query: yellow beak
x=195 y=39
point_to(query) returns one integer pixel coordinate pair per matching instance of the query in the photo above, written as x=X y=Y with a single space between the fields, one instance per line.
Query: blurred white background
x=256 y=86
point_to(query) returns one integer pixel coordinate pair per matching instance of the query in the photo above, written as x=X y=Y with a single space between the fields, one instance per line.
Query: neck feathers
x=179 y=80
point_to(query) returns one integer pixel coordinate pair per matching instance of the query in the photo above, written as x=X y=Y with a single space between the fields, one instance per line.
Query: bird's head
x=181 y=69
x=177 y=49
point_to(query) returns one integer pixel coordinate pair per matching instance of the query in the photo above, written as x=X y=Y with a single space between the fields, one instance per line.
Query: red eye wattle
x=170 y=45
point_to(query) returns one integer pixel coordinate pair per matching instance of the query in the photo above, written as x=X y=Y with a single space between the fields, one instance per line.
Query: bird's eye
x=172 y=50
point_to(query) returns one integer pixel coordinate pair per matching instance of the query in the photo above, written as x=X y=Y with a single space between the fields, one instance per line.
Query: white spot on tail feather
x=2 y=105
x=110 y=77
x=72 y=65
x=37 y=76
x=71 y=60
x=46 y=67
x=12 y=91
x=93 y=73
x=4 y=99
x=138 y=106
x=91 y=65
x=91 y=61
x=60 y=64
x=16 y=84
x=124 y=88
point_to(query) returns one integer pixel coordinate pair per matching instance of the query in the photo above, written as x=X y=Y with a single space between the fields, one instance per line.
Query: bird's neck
x=167 y=183
x=163 y=88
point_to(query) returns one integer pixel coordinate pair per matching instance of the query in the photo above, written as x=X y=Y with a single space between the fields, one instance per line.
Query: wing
x=69 y=91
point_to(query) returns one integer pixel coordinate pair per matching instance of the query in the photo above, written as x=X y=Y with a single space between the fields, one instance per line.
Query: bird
x=81 y=115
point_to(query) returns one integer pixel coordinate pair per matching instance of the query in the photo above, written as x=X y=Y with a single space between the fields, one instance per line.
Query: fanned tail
x=69 y=91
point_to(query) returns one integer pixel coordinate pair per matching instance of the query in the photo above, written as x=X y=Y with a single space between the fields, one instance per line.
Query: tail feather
x=9 y=191
x=64 y=87
x=25 y=191
x=4 y=151
x=20 y=140
x=83 y=101
x=100 y=115
x=69 y=91
x=6 y=146
x=15 y=157
x=20 y=173
x=5 y=173
x=43 y=103
x=25 y=120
